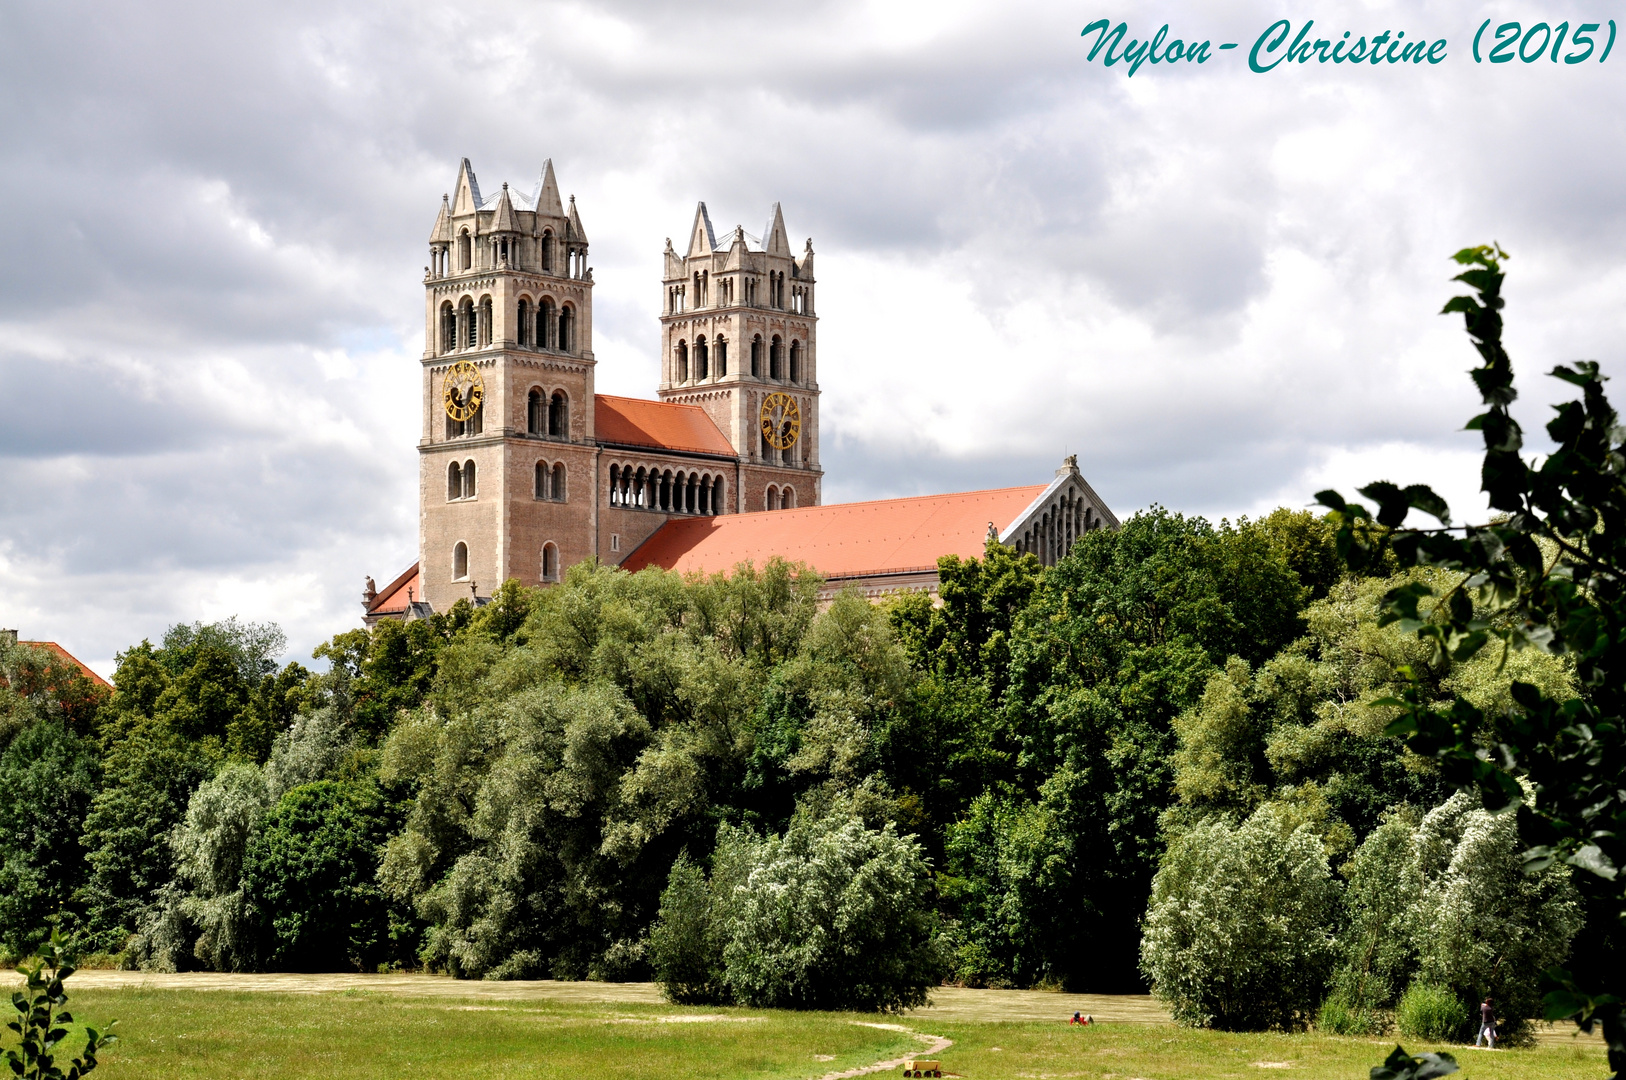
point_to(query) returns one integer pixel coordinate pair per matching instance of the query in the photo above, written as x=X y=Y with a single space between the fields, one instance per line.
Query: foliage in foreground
x=42 y=1007
x=1552 y=574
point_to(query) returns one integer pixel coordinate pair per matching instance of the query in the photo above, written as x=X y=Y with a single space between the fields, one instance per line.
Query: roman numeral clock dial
x=462 y=390
x=781 y=421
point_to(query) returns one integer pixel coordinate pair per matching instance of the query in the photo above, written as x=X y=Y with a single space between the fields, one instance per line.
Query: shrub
x=832 y=915
x=1482 y=925
x=1431 y=1013
x=683 y=946
x=1338 y=1016
x=1446 y=901
x=1239 y=931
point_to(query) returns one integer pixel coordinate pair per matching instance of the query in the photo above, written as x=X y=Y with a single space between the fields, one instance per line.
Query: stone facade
x=527 y=485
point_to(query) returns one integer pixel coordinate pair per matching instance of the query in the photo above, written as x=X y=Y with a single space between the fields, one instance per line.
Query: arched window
x=701 y=357
x=615 y=485
x=559 y=481
x=773 y=497
x=465 y=320
x=543 y=478
x=550 y=562
x=787 y=499
x=544 y=323
x=469 y=490
x=536 y=415
x=485 y=321
x=683 y=361
x=640 y=488
x=795 y=361
x=460 y=562
x=756 y=356
x=722 y=356
x=774 y=359
x=559 y=415
x=719 y=501
x=465 y=250
x=454 y=481
x=524 y=322
x=547 y=251
x=567 y=328
x=448 y=327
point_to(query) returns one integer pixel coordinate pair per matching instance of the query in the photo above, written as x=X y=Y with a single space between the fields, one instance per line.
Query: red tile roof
x=843 y=540
x=392 y=599
x=660 y=424
x=65 y=655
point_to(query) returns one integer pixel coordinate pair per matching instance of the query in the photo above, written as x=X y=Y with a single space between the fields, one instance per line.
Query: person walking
x=1487 y=1025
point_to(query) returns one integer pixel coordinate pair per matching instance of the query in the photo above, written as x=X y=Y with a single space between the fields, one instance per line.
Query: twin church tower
x=524 y=469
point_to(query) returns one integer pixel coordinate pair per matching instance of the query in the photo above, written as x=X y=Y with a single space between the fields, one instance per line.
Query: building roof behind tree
x=843 y=540
x=60 y=653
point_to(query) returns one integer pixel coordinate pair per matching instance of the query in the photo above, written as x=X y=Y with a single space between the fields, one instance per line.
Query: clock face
x=462 y=390
x=781 y=421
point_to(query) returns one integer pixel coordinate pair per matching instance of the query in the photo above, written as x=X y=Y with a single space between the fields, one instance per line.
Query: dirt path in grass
x=935 y=1044
x=948 y=1002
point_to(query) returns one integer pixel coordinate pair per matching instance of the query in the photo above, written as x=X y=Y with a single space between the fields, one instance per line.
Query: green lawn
x=1165 y=1052
x=211 y=1034
x=203 y=1035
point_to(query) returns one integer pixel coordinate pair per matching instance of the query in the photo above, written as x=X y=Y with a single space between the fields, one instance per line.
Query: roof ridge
x=652 y=401
x=908 y=498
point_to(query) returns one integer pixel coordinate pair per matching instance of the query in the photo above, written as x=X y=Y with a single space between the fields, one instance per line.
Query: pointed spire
x=442 y=232
x=577 y=233
x=701 y=238
x=504 y=221
x=466 y=193
x=774 y=240
x=547 y=196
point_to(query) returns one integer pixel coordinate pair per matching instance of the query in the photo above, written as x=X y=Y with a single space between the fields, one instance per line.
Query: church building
x=525 y=470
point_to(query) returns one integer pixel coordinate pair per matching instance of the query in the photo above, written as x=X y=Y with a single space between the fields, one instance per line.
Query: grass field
x=583 y=1031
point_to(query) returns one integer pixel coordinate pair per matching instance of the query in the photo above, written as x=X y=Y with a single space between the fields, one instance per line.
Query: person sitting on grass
x=1487 y=1025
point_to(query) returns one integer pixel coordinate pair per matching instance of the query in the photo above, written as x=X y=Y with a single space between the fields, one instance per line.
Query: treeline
x=723 y=784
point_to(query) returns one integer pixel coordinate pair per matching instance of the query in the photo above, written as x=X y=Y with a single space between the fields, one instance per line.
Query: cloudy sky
x=1218 y=288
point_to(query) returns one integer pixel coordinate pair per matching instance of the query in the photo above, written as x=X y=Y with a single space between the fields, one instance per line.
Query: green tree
x=148 y=778
x=1119 y=638
x=47 y=778
x=310 y=876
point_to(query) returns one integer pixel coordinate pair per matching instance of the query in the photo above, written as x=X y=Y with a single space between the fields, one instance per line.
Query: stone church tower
x=524 y=470
x=507 y=392
x=738 y=339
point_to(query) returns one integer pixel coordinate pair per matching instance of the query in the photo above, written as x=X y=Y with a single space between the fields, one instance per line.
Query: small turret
x=504 y=221
x=442 y=232
x=547 y=194
x=577 y=234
